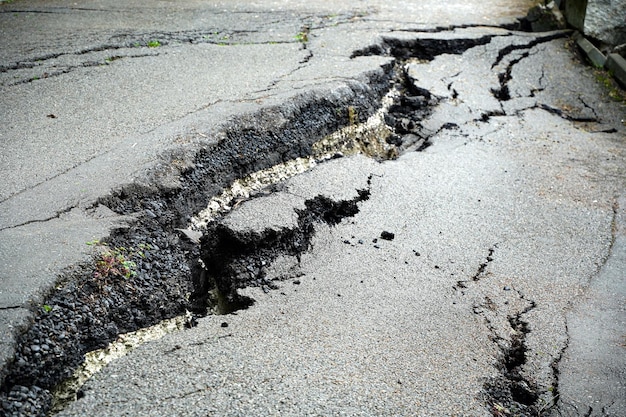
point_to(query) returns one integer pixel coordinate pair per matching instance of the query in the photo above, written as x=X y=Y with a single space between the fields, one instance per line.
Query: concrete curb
x=617 y=65
x=595 y=56
x=613 y=63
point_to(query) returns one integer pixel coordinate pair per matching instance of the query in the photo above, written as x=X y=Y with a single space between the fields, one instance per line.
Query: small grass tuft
x=118 y=261
x=303 y=35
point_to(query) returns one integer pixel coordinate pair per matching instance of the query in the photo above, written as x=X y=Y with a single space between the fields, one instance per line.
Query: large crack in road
x=176 y=263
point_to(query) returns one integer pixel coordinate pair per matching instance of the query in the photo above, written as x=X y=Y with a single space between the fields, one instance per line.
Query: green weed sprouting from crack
x=154 y=44
x=118 y=261
x=112 y=58
x=302 y=37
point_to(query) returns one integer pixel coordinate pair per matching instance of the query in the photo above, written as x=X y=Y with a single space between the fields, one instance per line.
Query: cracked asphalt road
x=503 y=226
x=378 y=330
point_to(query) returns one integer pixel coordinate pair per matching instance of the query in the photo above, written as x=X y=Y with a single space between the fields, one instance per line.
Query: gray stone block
x=605 y=20
x=575 y=13
x=617 y=65
x=595 y=56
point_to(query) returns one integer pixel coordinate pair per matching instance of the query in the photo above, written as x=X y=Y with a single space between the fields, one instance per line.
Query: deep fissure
x=502 y=93
x=423 y=49
x=512 y=390
x=232 y=259
x=84 y=313
x=480 y=272
x=522 y=390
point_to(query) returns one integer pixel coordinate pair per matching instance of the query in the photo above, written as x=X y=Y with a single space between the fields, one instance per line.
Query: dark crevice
x=425 y=49
x=238 y=259
x=481 y=269
x=556 y=396
x=542 y=39
x=512 y=390
x=480 y=272
x=438 y=29
x=564 y=115
x=307 y=58
x=502 y=93
x=404 y=117
x=57 y=215
x=596 y=117
x=522 y=390
x=486 y=116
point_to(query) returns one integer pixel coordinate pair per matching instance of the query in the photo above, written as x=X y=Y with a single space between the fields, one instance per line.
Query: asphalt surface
x=501 y=291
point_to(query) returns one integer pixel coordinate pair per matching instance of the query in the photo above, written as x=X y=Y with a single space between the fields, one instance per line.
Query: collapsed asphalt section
x=90 y=308
x=435 y=103
x=143 y=270
x=235 y=259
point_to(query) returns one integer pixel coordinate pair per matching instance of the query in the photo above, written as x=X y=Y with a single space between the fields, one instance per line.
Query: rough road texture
x=435 y=284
